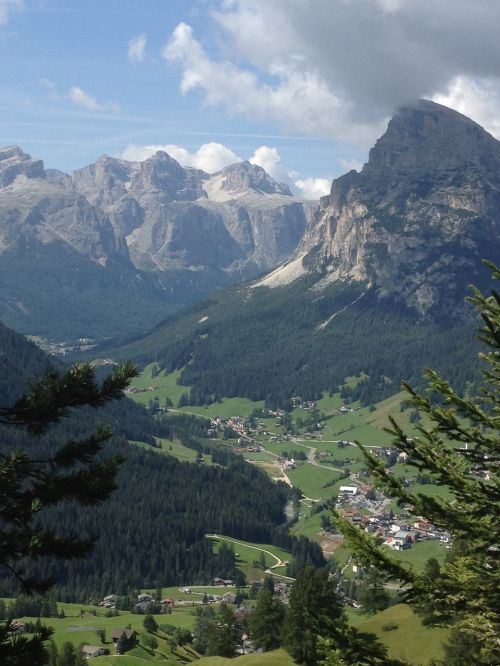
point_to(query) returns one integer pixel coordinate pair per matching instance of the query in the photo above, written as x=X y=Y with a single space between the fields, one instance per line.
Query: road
x=279 y=562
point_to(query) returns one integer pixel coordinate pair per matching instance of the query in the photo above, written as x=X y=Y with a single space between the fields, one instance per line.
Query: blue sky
x=302 y=87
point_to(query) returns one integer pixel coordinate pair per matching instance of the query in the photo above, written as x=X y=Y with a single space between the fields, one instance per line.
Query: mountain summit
x=417 y=220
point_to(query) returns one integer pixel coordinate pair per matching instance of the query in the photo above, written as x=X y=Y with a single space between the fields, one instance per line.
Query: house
x=167 y=604
x=229 y=598
x=93 y=651
x=401 y=539
x=109 y=601
x=142 y=598
x=242 y=613
x=348 y=490
x=119 y=632
x=221 y=581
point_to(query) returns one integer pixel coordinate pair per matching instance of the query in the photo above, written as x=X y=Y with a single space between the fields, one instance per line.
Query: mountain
x=118 y=245
x=376 y=286
x=239 y=220
x=414 y=224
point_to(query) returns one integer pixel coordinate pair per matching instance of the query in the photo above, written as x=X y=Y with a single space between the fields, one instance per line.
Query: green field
x=420 y=552
x=274 y=658
x=164 y=386
x=226 y=408
x=196 y=592
x=82 y=629
x=411 y=641
x=312 y=480
x=174 y=448
x=308 y=525
x=248 y=553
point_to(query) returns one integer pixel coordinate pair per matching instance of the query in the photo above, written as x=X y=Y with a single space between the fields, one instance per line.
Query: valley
x=267 y=480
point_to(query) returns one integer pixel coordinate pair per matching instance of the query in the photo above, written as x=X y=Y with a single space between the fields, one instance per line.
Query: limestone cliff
x=417 y=220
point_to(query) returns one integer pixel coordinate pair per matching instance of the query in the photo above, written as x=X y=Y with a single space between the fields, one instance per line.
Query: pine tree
x=266 y=621
x=460 y=450
x=313 y=611
x=150 y=624
x=30 y=485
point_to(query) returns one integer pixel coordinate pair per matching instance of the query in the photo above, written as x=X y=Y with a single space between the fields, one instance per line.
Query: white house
x=348 y=490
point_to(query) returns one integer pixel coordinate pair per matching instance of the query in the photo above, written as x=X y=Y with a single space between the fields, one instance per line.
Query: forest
x=288 y=351
x=152 y=530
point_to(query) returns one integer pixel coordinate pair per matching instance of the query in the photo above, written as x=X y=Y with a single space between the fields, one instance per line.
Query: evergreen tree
x=313 y=611
x=460 y=450
x=266 y=621
x=316 y=630
x=150 y=624
x=372 y=595
x=225 y=635
x=29 y=485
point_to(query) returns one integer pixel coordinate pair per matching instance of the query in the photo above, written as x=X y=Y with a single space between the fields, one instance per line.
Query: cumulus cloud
x=313 y=188
x=297 y=100
x=269 y=159
x=86 y=101
x=137 y=48
x=340 y=70
x=210 y=157
x=478 y=99
x=7 y=7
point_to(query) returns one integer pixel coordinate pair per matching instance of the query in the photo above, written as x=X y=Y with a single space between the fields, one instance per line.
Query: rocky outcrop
x=238 y=220
x=34 y=208
x=14 y=163
x=418 y=219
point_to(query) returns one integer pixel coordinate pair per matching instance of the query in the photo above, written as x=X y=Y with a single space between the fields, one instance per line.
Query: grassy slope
x=248 y=553
x=411 y=641
x=274 y=658
x=78 y=629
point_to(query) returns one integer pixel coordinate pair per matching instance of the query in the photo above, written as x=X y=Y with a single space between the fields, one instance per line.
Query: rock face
x=34 y=208
x=417 y=220
x=239 y=220
x=151 y=235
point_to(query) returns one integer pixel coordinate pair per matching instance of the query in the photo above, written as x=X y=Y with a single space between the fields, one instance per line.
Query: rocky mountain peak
x=244 y=176
x=416 y=222
x=426 y=136
x=14 y=162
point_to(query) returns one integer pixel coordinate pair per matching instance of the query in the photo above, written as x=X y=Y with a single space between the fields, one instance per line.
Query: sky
x=301 y=87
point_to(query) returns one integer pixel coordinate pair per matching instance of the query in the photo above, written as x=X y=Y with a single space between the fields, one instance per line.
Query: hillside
x=152 y=530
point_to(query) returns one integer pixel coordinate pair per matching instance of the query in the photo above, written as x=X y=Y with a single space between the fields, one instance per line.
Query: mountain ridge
x=145 y=230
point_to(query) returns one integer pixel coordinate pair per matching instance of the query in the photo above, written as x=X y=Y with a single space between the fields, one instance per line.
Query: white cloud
x=137 y=48
x=8 y=6
x=340 y=70
x=269 y=159
x=210 y=157
x=50 y=88
x=298 y=99
x=479 y=100
x=313 y=188
x=83 y=99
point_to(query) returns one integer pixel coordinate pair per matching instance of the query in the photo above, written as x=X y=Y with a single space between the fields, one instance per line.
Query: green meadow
x=411 y=641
